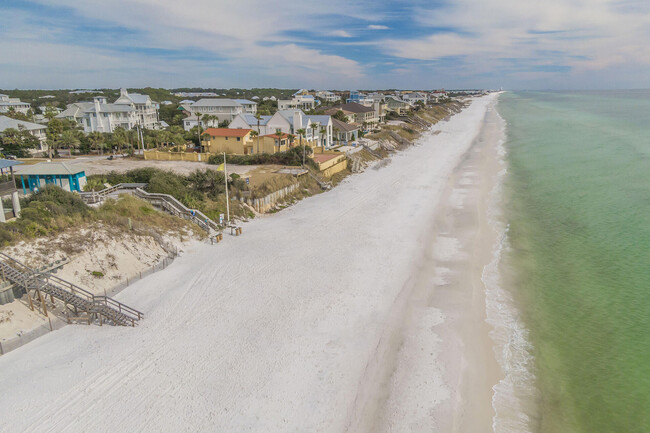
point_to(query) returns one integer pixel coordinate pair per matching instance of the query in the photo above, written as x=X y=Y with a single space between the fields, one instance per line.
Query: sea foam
x=515 y=395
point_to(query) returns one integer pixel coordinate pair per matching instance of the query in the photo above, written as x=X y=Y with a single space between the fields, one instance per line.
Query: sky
x=334 y=44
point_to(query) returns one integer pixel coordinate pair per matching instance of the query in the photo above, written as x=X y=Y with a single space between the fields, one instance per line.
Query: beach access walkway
x=84 y=305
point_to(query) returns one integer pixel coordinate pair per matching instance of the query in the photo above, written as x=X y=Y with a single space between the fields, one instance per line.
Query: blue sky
x=515 y=44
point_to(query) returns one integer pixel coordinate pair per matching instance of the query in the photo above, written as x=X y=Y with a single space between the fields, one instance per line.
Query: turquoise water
x=578 y=207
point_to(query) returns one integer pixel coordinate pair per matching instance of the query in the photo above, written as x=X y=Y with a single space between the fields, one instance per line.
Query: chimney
x=123 y=92
x=97 y=100
x=297 y=120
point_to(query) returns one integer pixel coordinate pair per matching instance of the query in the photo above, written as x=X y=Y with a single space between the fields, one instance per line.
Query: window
x=238 y=138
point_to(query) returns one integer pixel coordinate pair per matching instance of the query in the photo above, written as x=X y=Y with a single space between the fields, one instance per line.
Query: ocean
x=576 y=258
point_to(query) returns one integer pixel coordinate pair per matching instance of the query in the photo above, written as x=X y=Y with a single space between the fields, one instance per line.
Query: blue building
x=67 y=176
x=355 y=96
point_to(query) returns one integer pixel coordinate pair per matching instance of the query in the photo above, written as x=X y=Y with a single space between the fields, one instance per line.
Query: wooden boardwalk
x=79 y=303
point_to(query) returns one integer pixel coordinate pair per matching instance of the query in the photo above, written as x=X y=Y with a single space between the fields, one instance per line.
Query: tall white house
x=7 y=103
x=223 y=109
x=128 y=111
x=291 y=121
x=328 y=96
x=145 y=108
x=298 y=102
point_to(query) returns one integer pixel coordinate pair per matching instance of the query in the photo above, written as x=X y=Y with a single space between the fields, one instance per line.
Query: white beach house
x=223 y=109
x=128 y=111
x=37 y=130
x=7 y=104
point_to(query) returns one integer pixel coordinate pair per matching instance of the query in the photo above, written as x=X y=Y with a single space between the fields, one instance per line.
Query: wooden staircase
x=39 y=285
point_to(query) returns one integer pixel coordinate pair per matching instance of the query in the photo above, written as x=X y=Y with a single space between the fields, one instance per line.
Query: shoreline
x=280 y=330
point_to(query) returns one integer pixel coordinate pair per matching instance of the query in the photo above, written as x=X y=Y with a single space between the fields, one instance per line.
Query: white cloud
x=583 y=34
x=245 y=36
x=377 y=27
x=340 y=34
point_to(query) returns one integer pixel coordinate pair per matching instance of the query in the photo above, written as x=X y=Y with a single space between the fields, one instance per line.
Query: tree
x=340 y=115
x=53 y=133
x=254 y=133
x=70 y=140
x=198 y=121
x=313 y=127
x=119 y=138
x=49 y=113
x=323 y=130
x=96 y=139
x=279 y=133
x=301 y=133
x=17 y=142
x=258 y=116
x=291 y=137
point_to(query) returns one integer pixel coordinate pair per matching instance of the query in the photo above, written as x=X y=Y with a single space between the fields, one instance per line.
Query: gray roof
x=288 y=114
x=322 y=119
x=138 y=98
x=216 y=102
x=353 y=107
x=78 y=109
x=51 y=168
x=345 y=127
x=252 y=120
x=6 y=163
x=8 y=122
x=245 y=102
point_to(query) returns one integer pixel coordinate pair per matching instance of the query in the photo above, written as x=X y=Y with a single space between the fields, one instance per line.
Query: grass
x=53 y=211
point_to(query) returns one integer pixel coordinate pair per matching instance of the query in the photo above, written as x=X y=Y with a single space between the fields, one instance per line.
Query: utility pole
x=225 y=174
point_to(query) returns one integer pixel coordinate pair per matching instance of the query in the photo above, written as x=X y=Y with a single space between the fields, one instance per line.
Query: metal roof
x=51 y=168
x=6 y=163
x=216 y=102
x=8 y=122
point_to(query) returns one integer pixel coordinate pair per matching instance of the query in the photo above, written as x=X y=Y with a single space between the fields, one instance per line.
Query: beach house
x=299 y=101
x=318 y=128
x=345 y=133
x=35 y=129
x=232 y=141
x=249 y=121
x=223 y=109
x=8 y=104
x=395 y=104
x=128 y=111
x=357 y=113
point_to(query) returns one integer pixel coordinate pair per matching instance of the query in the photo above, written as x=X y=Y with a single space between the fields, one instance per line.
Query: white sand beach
x=358 y=310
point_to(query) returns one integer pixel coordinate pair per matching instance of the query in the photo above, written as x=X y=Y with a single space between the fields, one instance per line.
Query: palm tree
x=254 y=133
x=70 y=140
x=258 y=117
x=95 y=139
x=291 y=137
x=313 y=127
x=119 y=137
x=323 y=130
x=198 y=121
x=279 y=133
x=301 y=133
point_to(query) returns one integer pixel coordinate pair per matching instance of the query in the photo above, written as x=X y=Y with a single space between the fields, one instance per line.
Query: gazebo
x=69 y=177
